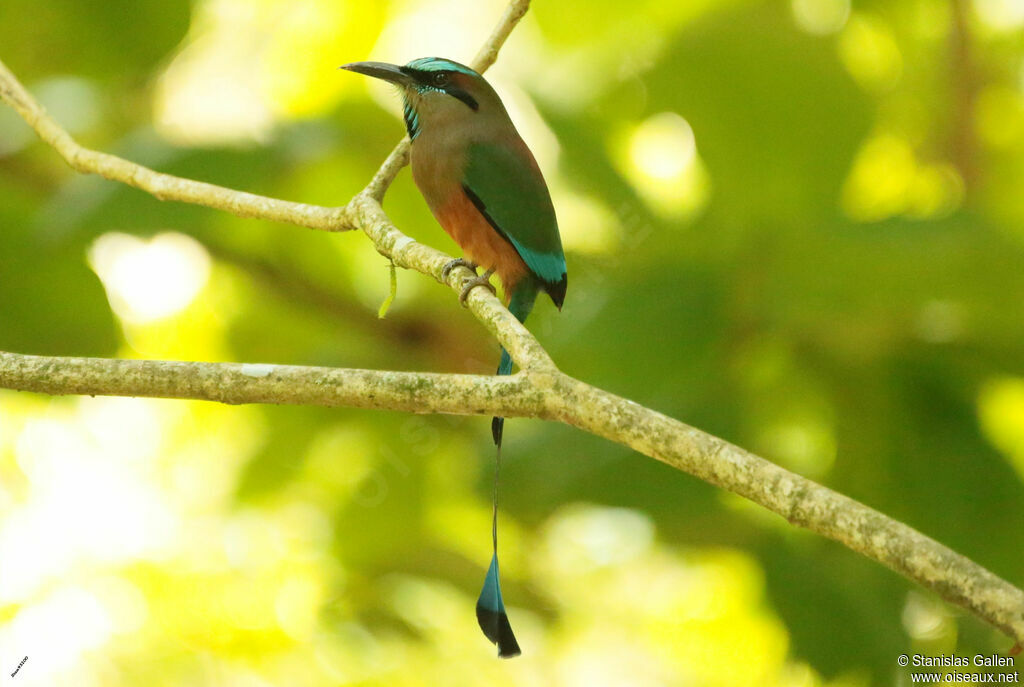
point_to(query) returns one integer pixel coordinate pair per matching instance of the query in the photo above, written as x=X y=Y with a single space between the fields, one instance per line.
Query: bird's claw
x=482 y=280
x=457 y=262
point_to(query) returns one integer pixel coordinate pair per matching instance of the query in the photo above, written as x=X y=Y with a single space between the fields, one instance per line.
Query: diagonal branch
x=540 y=391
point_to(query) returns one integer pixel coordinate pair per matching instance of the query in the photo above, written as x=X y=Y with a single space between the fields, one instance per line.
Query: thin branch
x=540 y=391
x=965 y=83
x=163 y=186
x=381 y=182
x=488 y=53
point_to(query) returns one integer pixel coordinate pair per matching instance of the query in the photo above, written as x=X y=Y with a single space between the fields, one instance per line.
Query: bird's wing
x=506 y=186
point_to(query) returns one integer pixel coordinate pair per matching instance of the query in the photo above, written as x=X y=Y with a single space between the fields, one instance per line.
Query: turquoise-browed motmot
x=484 y=187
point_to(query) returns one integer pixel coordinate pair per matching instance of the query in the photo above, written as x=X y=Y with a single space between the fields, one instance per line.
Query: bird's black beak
x=380 y=70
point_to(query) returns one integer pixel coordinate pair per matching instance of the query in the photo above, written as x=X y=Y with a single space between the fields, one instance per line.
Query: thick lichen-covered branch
x=234 y=383
x=552 y=395
x=540 y=391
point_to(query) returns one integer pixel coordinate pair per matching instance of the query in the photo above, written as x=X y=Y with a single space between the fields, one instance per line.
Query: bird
x=486 y=190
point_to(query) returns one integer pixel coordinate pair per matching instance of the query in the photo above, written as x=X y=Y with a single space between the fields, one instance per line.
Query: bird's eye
x=440 y=79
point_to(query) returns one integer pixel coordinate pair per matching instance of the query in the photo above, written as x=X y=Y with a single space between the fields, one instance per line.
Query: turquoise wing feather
x=506 y=186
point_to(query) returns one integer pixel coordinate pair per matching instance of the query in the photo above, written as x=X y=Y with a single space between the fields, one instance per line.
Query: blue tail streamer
x=490 y=607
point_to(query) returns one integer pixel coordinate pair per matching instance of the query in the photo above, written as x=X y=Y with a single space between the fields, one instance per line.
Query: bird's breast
x=439 y=178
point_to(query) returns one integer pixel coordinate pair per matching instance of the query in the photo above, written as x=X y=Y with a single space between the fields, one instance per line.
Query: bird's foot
x=482 y=280
x=457 y=262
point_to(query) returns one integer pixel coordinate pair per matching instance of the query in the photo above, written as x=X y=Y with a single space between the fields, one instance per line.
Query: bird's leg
x=482 y=280
x=457 y=262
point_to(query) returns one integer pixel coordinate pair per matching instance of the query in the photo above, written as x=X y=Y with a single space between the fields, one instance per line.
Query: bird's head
x=435 y=89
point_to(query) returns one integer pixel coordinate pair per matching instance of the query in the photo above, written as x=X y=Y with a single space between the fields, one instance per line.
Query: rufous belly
x=480 y=242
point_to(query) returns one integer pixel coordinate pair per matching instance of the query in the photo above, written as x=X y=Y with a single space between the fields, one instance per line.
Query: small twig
x=383 y=311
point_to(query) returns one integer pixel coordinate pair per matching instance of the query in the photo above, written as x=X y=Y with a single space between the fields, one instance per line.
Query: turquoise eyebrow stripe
x=439 y=64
